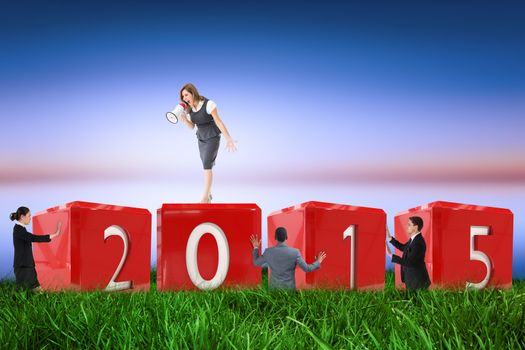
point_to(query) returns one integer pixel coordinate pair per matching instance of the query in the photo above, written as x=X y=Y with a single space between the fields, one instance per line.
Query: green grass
x=261 y=319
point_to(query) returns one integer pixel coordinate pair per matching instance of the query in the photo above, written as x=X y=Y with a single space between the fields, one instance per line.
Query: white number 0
x=191 y=256
x=115 y=230
x=479 y=256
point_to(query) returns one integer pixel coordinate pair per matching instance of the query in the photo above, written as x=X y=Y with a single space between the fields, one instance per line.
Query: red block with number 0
x=101 y=247
x=353 y=238
x=205 y=246
x=467 y=245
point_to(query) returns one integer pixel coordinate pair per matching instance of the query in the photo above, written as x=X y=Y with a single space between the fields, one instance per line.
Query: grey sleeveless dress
x=208 y=135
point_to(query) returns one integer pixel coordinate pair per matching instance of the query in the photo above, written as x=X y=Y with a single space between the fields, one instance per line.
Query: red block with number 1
x=353 y=238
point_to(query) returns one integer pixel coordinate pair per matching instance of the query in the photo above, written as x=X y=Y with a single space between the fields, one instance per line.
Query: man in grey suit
x=282 y=260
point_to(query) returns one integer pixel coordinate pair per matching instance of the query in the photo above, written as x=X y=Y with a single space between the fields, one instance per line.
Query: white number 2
x=115 y=230
x=191 y=256
x=350 y=232
x=479 y=255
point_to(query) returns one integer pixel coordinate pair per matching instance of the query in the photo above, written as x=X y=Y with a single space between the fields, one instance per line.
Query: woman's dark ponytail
x=19 y=212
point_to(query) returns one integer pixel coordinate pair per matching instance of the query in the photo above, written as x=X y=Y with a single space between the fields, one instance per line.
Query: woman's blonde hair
x=192 y=90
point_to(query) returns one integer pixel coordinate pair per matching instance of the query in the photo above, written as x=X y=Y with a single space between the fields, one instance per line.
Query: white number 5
x=115 y=230
x=479 y=255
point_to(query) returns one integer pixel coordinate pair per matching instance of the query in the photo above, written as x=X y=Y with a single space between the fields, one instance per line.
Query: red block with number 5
x=353 y=238
x=467 y=245
x=206 y=246
x=101 y=247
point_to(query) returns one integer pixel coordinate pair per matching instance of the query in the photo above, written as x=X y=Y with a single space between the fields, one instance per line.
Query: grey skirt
x=208 y=150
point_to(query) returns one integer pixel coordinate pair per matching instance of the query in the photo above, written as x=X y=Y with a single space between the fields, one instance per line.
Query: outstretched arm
x=397 y=244
x=230 y=146
x=413 y=258
x=310 y=267
x=256 y=259
x=21 y=233
x=394 y=241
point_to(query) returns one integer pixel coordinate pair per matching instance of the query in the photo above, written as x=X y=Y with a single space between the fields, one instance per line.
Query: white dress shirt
x=209 y=107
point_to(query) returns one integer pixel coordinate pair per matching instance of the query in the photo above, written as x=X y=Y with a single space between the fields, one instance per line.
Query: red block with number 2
x=101 y=247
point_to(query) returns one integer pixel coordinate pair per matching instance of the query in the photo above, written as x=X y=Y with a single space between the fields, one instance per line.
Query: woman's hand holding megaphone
x=180 y=112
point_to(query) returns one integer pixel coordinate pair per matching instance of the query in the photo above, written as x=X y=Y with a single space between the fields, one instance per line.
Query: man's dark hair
x=417 y=221
x=280 y=234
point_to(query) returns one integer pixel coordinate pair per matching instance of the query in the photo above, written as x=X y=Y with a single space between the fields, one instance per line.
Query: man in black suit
x=413 y=269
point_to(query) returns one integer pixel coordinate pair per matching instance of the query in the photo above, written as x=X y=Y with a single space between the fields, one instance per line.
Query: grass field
x=261 y=319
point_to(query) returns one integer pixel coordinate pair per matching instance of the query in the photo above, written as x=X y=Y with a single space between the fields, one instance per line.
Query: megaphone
x=174 y=115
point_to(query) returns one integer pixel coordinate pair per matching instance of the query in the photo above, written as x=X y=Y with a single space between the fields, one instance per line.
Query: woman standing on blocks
x=203 y=113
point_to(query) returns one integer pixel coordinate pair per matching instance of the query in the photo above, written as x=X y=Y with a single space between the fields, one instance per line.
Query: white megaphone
x=174 y=115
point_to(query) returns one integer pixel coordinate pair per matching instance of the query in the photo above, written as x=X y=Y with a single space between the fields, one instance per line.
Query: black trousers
x=26 y=277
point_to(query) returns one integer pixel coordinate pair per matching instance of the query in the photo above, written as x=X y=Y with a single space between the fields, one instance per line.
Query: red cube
x=101 y=247
x=205 y=246
x=353 y=238
x=467 y=245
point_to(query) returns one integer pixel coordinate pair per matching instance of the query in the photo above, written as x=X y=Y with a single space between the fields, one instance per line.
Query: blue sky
x=324 y=80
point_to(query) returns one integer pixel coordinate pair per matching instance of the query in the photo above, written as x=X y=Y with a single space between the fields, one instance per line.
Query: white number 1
x=115 y=230
x=350 y=232
x=479 y=255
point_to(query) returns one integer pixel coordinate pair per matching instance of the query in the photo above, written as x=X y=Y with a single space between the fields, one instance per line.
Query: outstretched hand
x=321 y=257
x=255 y=241
x=230 y=145
x=388 y=235
x=57 y=232
x=388 y=251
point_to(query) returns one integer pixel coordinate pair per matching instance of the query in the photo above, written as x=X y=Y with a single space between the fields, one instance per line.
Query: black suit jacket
x=23 y=248
x=413 y=269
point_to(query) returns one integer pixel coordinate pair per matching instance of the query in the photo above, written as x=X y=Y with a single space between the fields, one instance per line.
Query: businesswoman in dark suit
x=413 y=269
x=202 y=112
x=24 y=264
